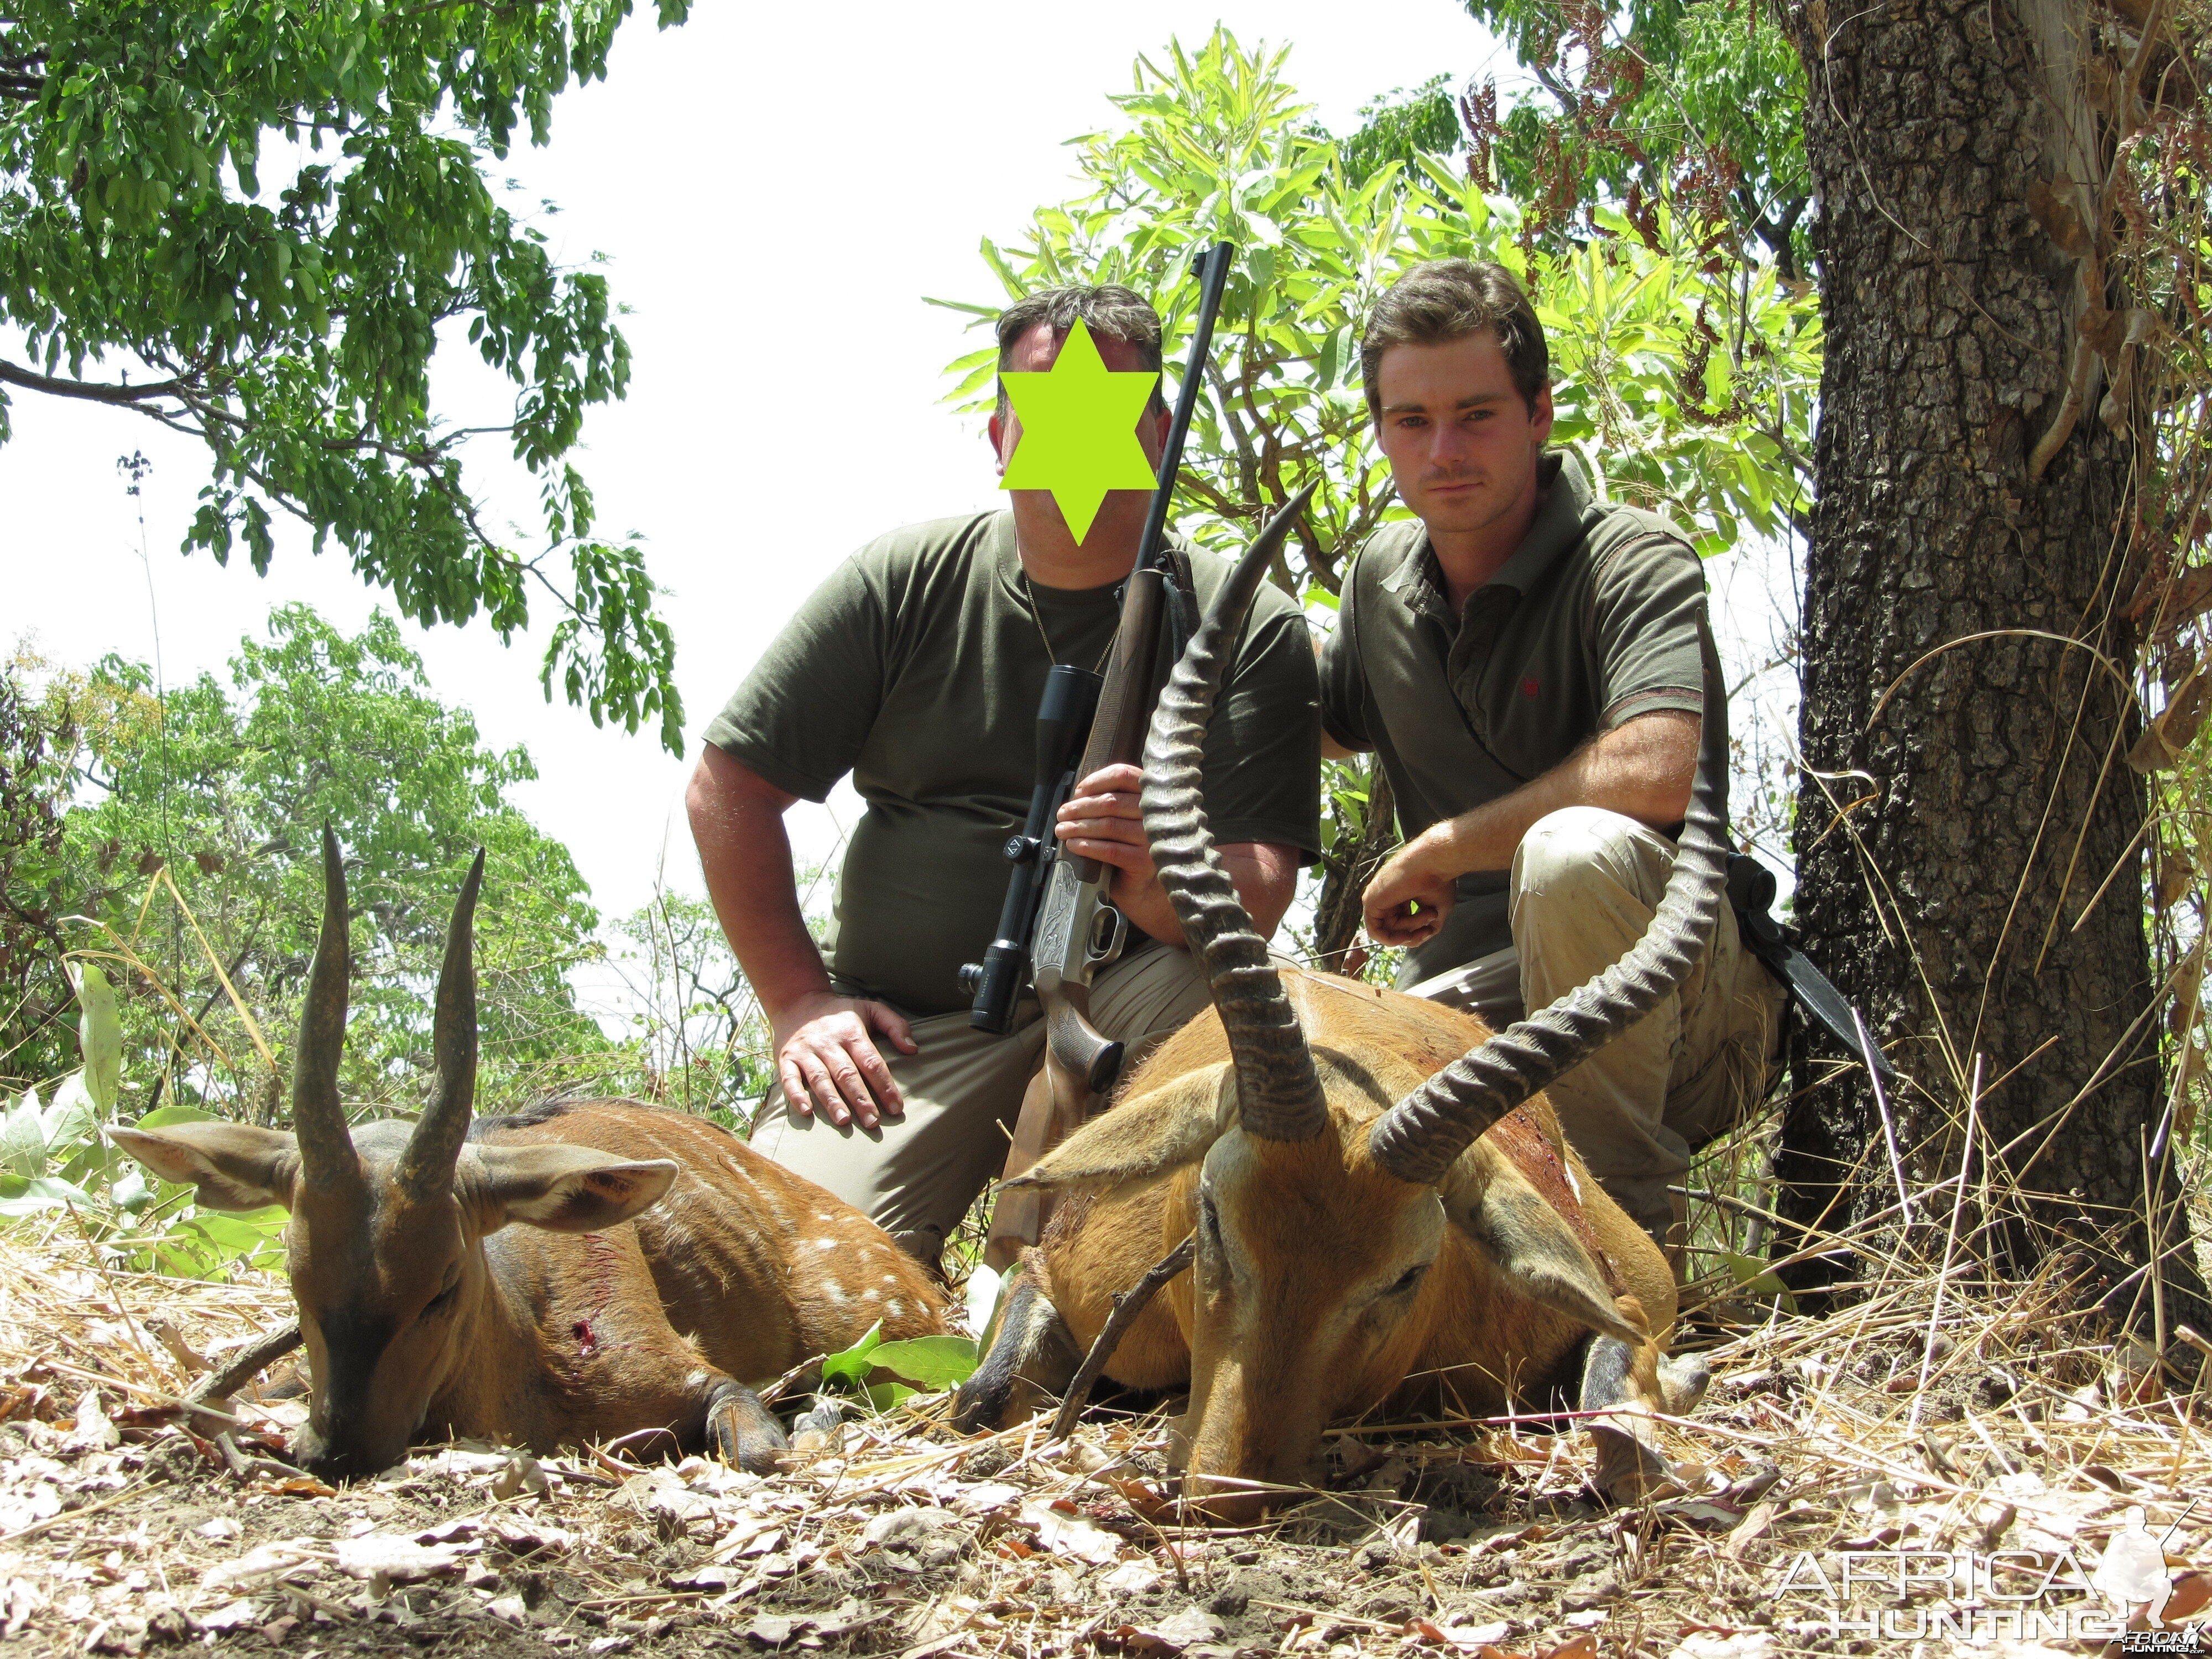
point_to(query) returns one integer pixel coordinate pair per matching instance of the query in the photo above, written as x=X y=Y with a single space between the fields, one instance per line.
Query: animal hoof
x=753 y=1440
x=817 y=1431
x=1629 y=1471
x=985 y=1402
x=760 y=1451
x=1683 y=1380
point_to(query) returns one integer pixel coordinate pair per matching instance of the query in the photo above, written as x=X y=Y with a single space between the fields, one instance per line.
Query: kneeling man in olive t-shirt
x=917 y=668
x=1526 y=658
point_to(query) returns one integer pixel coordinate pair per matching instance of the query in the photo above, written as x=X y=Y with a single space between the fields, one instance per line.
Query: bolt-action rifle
x=1057 y=929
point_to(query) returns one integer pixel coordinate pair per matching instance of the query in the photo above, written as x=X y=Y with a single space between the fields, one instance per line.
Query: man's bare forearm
x=1642 y=770
x=1265 y=876
x=744 y=852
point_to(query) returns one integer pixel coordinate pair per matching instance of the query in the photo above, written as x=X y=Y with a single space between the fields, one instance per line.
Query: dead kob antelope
x=1384 y=1211
x=581 y=1270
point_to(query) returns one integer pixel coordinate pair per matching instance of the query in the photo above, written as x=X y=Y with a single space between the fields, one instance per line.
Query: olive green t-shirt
x=1591 y=621
x=917 y=668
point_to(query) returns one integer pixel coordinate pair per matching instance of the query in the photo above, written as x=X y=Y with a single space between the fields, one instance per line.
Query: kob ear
x=567 y=1189
x=231 y=1166
x=1157 y=1131
x=1535 y=1252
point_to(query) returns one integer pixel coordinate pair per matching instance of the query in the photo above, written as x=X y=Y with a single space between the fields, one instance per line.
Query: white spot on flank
x=826 y=1244
x=870 y=1294
x=894 y=1307
x=890 y=1279
x=824 y=1215
x=833 y=1291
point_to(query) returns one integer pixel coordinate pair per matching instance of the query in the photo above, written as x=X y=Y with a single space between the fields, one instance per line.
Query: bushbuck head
x=385 y=1242
x=1338 y=1230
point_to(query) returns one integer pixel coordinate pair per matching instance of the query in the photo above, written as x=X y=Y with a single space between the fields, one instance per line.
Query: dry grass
x=121 y=1531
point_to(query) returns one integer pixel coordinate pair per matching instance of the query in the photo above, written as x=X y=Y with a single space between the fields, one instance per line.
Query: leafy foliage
x=290 y=326
x=194 y=860
x=37 y=742
x=178 y=854
x=1685 y=383
x=1400 y=127
x=55 y=1162
x=1701 y=105
x=700 y=1041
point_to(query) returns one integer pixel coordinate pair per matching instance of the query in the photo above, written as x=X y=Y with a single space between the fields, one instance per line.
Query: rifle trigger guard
x=1109 y=932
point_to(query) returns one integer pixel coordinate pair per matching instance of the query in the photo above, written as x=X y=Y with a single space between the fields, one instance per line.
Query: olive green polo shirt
x=917 y=668
x=1591 y=621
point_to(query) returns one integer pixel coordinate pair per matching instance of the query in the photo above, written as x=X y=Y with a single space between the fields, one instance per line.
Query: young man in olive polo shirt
x=1525 y=658
x=917 y=668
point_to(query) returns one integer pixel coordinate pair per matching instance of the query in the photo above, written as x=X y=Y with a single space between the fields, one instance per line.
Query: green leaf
x=19 y=1196
x=100 y=1037
x=254 y=1234
x=131 y=1191
x=162 y=1116
x=854 y=1365
x=989 y=313
x=1756 y=1277
x=930 y=1361
x=70 y=1119
x=23 y=1137
x=882 y=1396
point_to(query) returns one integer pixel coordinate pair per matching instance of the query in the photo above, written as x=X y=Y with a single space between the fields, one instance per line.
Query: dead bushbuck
x=658 y=1263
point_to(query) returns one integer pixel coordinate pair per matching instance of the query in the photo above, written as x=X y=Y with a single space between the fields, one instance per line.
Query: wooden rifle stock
x=1078 y=930
x=1078 y=1063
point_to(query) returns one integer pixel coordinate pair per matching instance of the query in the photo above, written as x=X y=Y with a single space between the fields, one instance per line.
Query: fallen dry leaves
x=122 y=1530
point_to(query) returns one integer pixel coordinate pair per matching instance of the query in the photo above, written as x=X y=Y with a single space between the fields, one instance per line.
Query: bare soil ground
x=122 y=1530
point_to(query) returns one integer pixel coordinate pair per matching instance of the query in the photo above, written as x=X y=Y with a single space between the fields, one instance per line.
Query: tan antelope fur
x=582 y=1271
x=1386 y=1214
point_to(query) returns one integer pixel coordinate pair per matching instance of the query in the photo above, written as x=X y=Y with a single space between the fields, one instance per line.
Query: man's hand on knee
x=827 y=1058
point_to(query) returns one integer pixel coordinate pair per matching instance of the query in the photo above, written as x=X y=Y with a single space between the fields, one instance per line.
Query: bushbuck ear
x=1170 y=1126
x=232 y=1166
x=569 y=1190
x=1532 y=1247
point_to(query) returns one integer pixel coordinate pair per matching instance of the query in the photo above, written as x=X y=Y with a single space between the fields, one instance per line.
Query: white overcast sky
x=776 y=189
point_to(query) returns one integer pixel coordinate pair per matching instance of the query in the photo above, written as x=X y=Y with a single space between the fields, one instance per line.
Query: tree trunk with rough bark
x=1967 y=838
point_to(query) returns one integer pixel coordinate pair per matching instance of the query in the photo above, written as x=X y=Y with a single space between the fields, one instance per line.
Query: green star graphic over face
x=1078 y=430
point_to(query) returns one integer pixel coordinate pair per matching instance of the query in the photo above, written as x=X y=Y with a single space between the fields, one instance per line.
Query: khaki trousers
x=1585 y=886
x=915 y=1175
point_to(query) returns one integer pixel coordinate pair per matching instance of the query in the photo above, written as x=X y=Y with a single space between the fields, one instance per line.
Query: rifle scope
x=1062 y=723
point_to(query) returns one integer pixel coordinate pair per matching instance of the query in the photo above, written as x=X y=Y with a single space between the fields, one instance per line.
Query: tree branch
x=92 y=392
x=1126 y=1306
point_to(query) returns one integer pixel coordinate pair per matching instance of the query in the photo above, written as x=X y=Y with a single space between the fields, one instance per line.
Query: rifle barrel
x=1212 y=268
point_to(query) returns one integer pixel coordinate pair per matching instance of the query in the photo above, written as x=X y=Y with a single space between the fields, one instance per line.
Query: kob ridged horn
x=1278 y=1094
x=1418 y=1138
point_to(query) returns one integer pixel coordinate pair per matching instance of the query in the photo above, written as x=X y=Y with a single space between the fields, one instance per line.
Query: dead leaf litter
x=126 y=1529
